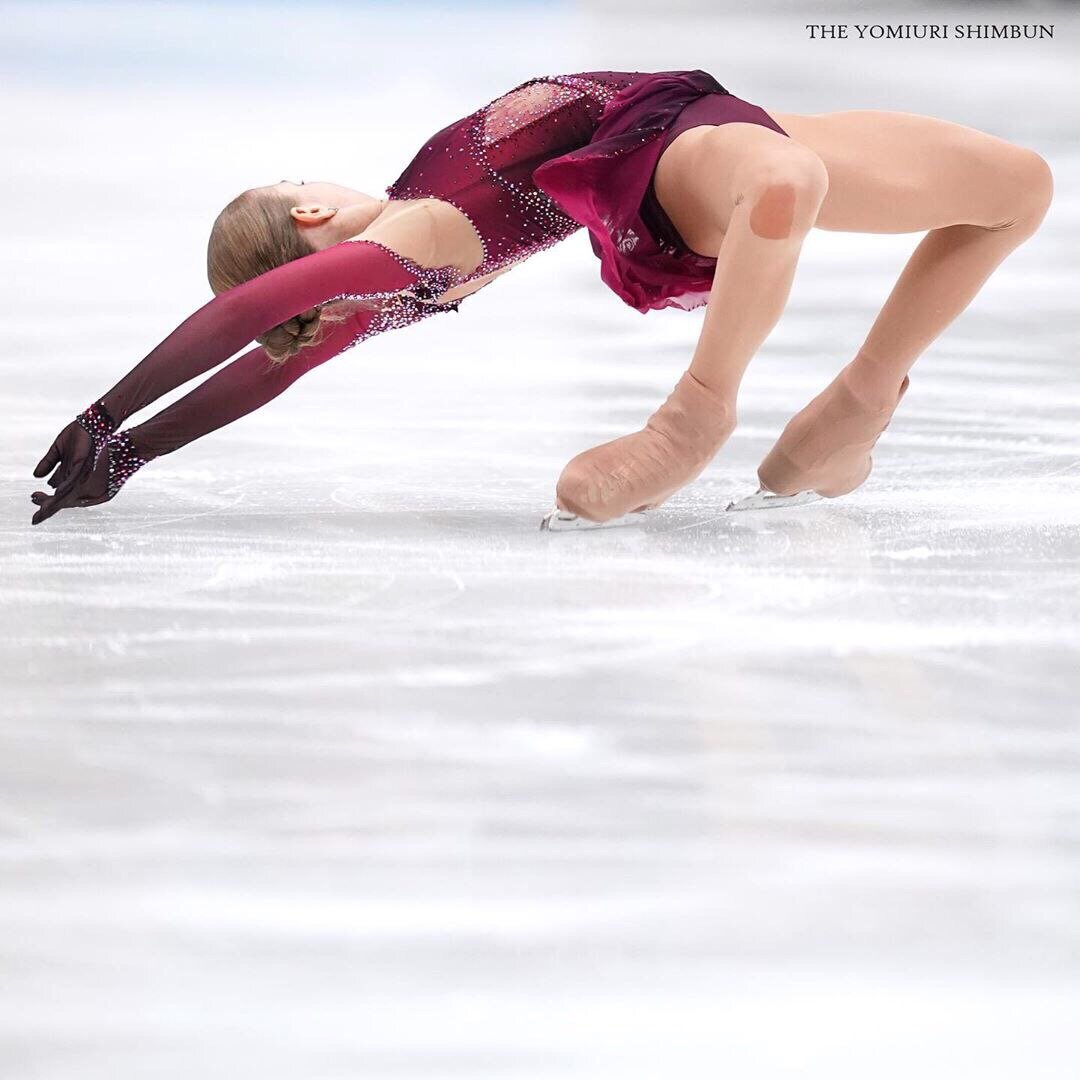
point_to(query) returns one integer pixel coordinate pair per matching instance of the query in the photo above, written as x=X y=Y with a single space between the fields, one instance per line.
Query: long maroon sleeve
x=393 y=292
x=353 y=269
x=246 y=384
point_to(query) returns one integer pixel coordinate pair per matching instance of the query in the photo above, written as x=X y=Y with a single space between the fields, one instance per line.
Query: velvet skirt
x=607 y=186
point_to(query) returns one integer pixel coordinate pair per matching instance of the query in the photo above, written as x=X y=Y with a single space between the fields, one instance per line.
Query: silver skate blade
x=766 y=500
x=563 y=521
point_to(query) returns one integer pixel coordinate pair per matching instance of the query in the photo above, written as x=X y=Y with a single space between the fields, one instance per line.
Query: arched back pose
x=689 y=194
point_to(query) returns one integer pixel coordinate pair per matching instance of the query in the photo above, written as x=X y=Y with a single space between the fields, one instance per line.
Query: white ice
x=319 y=760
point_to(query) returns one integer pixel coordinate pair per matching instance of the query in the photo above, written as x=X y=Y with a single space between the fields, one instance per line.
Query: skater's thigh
x=902 y=172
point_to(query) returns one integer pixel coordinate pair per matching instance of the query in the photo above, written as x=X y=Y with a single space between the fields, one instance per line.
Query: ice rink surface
x=319 y=760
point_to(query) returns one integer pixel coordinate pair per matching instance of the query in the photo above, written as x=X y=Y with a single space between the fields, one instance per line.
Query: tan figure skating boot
x=640 y=471
x=826 y=448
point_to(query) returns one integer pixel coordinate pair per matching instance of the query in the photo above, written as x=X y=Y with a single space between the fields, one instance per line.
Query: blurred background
x=318 y=759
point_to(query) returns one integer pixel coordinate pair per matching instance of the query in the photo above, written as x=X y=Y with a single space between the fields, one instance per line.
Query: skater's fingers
x=66 y=487
x=49 y=506
x=48 y=462
x=64 y=496
x=61 y=474
x=44 y=512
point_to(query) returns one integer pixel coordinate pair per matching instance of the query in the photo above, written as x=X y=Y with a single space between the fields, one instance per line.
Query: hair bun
x=287 y=338
x=298 y=325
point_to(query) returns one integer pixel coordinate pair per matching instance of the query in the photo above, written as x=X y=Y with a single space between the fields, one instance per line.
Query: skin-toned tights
x=748 y=196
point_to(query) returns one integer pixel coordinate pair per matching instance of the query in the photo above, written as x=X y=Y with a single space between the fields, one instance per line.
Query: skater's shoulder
x=427 y=231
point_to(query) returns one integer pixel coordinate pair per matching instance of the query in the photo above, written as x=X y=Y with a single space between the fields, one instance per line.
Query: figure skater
x=690 y=195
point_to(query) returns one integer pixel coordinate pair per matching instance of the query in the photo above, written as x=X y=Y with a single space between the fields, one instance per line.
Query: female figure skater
x=690 y=195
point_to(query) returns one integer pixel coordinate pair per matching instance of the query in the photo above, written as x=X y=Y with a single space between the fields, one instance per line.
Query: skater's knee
x=1037 y=190
x=784 y=194
x=1025 y=192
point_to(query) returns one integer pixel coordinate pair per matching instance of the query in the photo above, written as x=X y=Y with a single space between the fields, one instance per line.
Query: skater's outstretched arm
x=239 y=388
x=387 y=289
x=356 y=269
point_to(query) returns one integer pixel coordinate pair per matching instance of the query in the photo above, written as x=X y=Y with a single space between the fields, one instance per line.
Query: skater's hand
x=98 y=481
x=82 y=439
x=86 y=487
x=70 y=451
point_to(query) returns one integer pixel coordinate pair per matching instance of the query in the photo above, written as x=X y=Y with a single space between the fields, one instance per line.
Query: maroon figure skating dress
x=529 y=169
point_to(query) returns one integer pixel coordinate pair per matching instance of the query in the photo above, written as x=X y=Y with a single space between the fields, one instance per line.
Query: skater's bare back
x=432 y=232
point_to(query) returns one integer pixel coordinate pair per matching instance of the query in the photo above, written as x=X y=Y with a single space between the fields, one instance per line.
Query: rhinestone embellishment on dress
x=482 y=165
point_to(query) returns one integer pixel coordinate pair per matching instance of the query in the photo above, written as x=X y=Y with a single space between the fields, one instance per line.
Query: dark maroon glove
x=79 y=442
x=102 y=475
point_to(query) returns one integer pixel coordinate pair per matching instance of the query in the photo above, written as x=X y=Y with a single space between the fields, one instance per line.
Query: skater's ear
x=312 y=213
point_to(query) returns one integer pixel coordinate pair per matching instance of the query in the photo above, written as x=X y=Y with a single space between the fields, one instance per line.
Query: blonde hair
x=256 y=233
